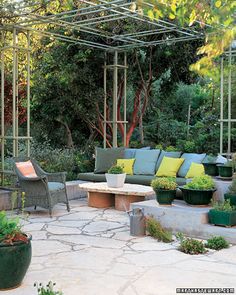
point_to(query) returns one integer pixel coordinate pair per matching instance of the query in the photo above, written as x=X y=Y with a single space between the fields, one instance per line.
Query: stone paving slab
x=90 y=252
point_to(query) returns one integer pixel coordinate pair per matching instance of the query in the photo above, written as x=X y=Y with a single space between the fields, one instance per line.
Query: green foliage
x=47 y=290
x=164 y=183
x=61 y=159
x=116 y=169
x=10 y=228
x=219 y=34
x=217 y=243
x=232 y=187
x=171 y=148
x=190 y=246
x=203 y=182
x=155 y=230
x=223 y=206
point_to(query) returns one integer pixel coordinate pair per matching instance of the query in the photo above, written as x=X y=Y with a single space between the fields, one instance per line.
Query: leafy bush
x=171 y=148
x=203 y=182
x=223 y=206
x=116 y=169
x=217 y=243
x=190 y=246
x=232 y=187
x=48 y=290
x=57 y=160
x=155 y=230
x=164 y=183
x=10 y=230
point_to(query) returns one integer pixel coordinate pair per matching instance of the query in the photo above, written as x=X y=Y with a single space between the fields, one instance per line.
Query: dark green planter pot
x=165 y=197
x=211 y=169
x=197 y=197
x=231 y=197
x=14 y=263
x=222 y=217
x=225 y=171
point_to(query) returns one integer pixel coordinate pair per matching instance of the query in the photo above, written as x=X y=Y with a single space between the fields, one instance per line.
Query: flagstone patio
x=89 y=251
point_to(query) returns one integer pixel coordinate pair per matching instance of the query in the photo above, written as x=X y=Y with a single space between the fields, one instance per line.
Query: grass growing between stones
x=156 y=230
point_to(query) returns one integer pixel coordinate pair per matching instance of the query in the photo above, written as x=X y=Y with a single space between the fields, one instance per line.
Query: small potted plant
x=223 y=214
x=165 y=189
x=15 y=252
x=115 y=176
x=210 y=166
x=199 y=191
x=231 y=194
x=226 y=170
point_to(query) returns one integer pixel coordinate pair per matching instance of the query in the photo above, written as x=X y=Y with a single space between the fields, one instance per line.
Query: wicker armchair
x=45 y=190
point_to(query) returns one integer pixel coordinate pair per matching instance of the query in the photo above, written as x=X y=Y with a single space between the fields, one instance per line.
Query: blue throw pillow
x=166 y=154
x=189 y=159
x=145 y=162
x=130 y=153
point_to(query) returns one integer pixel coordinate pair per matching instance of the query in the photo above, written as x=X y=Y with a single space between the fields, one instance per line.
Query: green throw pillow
x=105 y=158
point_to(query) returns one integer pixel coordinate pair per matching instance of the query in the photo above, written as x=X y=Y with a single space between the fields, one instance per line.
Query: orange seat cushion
x=26 y=168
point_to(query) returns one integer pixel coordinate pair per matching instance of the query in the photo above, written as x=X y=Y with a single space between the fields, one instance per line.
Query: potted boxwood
x=231 y=194
x=222 y=214
x=15 y=252
x=199 y=191
x=226 y=170
x=210 y=166
x=165 y=189
x=115 y=176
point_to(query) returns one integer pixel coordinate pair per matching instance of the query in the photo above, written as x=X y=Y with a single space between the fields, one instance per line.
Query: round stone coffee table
x=102 y=196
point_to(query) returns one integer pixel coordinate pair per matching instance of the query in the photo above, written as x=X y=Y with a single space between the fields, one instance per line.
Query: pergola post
x=115 y=99
x=18 y=51
x=226 y=119
x=115 y=67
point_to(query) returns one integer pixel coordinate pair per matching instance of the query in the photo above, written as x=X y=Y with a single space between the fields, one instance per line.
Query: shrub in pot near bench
x=210 y=166
x=165 y=189
x=223 y=214
x=226 y=170
x=199 y=191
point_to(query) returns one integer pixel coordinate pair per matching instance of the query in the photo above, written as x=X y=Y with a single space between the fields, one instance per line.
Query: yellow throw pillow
x=195 y=170
x=127 y=165
x=169 y=167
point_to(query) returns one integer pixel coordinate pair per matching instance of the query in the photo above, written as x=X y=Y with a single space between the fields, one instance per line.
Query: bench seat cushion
x=135 y=179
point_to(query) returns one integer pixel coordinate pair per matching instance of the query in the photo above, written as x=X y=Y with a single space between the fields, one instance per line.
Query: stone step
x=73 y=191
x=190 y=220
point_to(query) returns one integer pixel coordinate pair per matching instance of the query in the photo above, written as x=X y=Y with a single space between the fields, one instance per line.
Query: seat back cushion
x=26 y=169
x=166 y=154
x=169 y=167
x=130 y=153
x=127 y=165
x=189 y=159
x=145 y=162
x=105 y=158
x=195 y=170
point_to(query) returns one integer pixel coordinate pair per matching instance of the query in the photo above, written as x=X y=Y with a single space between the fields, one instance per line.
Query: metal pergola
x=227 y=80
x=114 y=26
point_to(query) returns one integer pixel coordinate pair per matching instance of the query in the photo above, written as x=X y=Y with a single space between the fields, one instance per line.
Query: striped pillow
x=26 y=168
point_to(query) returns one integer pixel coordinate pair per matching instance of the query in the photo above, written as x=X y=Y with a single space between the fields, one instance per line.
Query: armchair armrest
x=57 y=177
x=34 y=179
